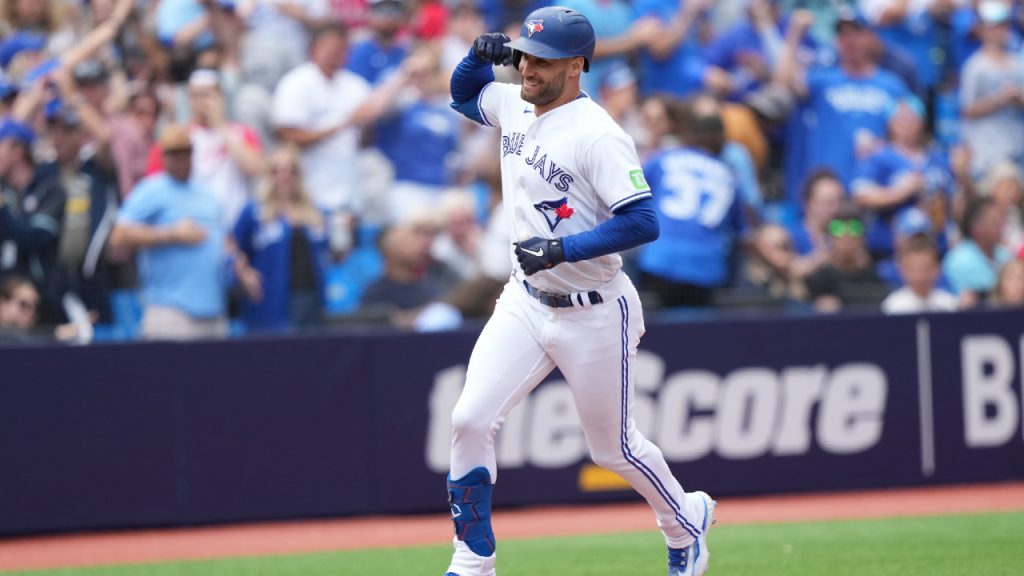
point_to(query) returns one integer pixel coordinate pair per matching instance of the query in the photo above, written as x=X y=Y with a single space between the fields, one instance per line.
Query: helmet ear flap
x=517 y=56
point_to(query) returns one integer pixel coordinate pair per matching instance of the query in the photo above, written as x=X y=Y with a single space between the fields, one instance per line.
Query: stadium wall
x=165 y=434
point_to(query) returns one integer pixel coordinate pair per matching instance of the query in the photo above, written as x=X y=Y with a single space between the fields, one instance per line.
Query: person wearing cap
x=31 y=213
x=174 y=224
x=382 y=52
x=992 y=94
x=22 y=51
x=81 y=142
x=847 y=103
x=905 y=174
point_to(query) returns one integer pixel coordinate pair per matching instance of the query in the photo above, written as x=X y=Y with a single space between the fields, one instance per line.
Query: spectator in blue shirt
x=822 y=195
x=673 y=62
x=174 y=224
x=380 y=54
x=847 y=103
x=917 y=28
x=418 y=133
x=903 y=175
x=284 y=239
x=698 y=210
x=611 y=80
x=748 y=51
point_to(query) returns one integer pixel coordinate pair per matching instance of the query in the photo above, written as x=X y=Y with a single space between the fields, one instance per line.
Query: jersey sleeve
x=493 y=100
x=615 y=171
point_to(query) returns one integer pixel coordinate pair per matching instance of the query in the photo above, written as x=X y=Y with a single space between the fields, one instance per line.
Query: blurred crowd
x=199 y=168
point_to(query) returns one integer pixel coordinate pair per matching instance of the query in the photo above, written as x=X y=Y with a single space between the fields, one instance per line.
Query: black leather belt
x=564 y=300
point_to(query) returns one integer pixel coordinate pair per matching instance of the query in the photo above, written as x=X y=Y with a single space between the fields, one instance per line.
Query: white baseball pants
x=595 y=348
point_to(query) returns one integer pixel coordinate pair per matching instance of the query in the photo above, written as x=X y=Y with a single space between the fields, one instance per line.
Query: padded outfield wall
x=134 y=435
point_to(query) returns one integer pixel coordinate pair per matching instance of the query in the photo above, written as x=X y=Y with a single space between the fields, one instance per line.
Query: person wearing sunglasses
x=848 y=277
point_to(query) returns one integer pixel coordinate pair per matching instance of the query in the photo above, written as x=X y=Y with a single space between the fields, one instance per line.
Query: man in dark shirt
x=847 y=279
x=31 y=215
x=411 y=277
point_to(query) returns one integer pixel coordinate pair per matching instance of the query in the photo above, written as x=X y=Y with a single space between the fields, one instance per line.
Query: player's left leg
x=601 y=376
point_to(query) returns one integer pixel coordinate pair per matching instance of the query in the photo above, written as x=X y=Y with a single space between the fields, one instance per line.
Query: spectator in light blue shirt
x=973 y=265
x=175 y=227
x=184 y=23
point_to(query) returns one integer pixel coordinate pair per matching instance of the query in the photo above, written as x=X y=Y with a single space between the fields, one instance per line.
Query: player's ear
x=576 y=67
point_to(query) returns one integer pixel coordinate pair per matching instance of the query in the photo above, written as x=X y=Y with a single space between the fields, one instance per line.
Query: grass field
x=986 y=544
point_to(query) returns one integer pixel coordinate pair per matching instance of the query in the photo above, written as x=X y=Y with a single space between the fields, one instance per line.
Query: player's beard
x=546 y=92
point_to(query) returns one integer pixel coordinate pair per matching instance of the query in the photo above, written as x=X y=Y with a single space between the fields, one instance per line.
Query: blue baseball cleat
x=693 y=560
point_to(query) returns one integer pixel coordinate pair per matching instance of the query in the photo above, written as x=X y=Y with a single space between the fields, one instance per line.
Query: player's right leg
x=602 y=377
x=506 y=364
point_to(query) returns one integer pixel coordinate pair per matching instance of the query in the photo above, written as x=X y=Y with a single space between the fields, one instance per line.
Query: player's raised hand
x=491 y=47
x=538 y=254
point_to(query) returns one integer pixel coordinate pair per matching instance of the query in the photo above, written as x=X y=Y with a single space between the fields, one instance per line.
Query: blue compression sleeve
x=468 y=79
x=634 y=224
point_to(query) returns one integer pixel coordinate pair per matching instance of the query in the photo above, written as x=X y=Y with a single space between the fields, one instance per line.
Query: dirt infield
x=318 y=536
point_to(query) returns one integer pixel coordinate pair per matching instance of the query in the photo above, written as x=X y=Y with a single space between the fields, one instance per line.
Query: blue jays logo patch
x=534 y=26
x=555 y=211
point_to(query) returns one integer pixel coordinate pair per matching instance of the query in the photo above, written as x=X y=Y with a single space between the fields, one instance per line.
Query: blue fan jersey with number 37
x=699 y=213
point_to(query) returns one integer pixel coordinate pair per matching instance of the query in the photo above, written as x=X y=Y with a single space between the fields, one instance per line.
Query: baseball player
x=575 y=196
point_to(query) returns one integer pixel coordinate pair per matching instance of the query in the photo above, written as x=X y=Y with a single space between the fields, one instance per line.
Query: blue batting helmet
x=555 y=32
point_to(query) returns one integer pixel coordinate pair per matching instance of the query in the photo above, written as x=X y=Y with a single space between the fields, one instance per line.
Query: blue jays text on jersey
x=548 y=170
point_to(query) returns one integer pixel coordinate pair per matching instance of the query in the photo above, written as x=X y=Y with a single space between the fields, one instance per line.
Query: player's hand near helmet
x=491 y=48
x=538 y=254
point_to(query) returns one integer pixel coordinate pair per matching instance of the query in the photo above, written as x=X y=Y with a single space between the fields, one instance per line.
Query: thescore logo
x=748 y=413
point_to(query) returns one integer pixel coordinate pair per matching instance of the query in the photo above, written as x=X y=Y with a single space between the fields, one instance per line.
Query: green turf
x=989 y=544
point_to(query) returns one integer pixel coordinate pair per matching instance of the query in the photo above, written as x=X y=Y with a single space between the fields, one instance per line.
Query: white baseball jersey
x=562 y=173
